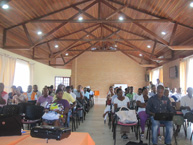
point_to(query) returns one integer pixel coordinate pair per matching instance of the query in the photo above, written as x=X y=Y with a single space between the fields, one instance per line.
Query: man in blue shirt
x=160 y=104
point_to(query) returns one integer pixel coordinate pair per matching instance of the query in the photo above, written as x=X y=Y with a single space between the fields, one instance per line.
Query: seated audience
x=45 y=98
x=51 y=91
x=160 y=104
x=20 y=88
x=56 y=111
x=179 y=93
x=166 y=93
x=138 y=94
x=36 y=93
x=86 y=94
x=153 y=91
x=114 y=96
x=29 y=92
x=173 y=95
x=19 y=97
x=108 y=108
x=3 y=96
x=79 y=93
x=131 y=94
x=67 y=96
x=141 y=104
x=11 y=94
x=187 y=101
x=119 y=102
x=72 y=92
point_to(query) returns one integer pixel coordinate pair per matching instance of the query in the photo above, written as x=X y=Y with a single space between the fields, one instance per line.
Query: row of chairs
x=136 y=126
x=31 y=114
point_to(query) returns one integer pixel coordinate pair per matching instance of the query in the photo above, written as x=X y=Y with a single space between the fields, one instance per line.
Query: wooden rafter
x=85 y=13
x=139 y=25
x=63 y=58
x=51 y=13
x=70 y=46
x=173 y=34
x=51 y=53
x=99 y=39
x=54 y=39
x=130 y=32
x=27 y=34
x=181 y=47
x=64 y=23
x=99 y=9
x=154 y=46
x=91 y=45
x=101 y=21
x=4 y=37
x=148 y=13
x=88 y=33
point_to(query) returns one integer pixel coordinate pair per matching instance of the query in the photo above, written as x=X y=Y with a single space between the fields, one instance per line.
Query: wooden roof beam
x=139 y=25
x=148 y=65
x=99 y=39
x=85 y=13
x=91 y=45
x=101 y=21
x=181 y=47
x=63 y=59
x=51 y=13
x=68 y=34
x=70 y=46
x=61 y=25
x=173 y=33
x=148 y=13
x=27 y=34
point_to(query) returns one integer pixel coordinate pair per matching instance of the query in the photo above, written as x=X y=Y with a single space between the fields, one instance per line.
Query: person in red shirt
x=3 y=96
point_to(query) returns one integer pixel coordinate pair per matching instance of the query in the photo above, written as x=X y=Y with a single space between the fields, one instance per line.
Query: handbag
x=126 y=116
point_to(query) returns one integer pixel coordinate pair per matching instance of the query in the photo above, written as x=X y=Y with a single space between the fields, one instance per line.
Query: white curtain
x=31 y=68
x=7 y=70
x=22 y=74
x=189 y=73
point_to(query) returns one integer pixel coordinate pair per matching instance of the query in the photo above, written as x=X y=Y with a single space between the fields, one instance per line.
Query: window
x=62 y=80
x=22 y=74
x=155 y=76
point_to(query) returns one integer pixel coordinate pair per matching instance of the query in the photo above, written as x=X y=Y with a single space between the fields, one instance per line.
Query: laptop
x=164 y=116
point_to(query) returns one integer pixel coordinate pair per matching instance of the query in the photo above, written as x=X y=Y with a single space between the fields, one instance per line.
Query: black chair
x=11 y=110
x=33 y=115
x=32 y=102
x=23 y=107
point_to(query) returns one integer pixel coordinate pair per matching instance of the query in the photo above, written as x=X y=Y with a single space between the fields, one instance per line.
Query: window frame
x=61 y=77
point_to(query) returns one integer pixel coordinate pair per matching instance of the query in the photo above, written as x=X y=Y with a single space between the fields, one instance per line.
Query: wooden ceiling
x=99 y=31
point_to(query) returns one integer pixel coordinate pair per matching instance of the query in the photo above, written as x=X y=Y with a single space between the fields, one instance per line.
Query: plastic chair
x=33 y=114
x=10 y=110
x=116 y=122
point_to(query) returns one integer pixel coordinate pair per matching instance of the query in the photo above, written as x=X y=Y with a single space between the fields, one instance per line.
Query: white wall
x=42 y=74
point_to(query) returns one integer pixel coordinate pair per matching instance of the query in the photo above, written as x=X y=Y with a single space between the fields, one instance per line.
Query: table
x=76 y=138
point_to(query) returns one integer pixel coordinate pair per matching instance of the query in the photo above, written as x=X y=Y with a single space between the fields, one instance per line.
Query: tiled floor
x=102 y=135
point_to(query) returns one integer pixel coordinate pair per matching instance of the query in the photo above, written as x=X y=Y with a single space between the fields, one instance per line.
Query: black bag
x=10 y=125
x=135 y=143
x=50 y=132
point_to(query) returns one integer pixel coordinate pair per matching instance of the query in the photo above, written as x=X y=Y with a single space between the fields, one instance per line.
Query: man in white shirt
x=153 y=91
x=187 y=101
x=179 y=94
x=159 y=83
x=138 y=94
